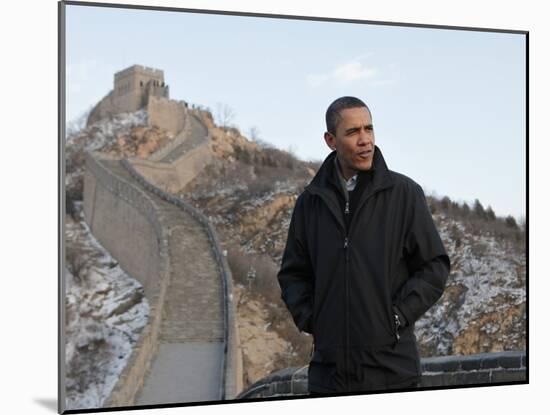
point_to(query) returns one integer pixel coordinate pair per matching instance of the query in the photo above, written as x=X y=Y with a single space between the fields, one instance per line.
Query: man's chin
x=364 y=166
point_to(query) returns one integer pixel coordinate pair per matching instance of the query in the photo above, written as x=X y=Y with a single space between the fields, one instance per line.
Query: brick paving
x=187 y=367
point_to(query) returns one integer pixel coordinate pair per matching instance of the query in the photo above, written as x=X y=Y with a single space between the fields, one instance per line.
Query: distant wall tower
x=133 y=87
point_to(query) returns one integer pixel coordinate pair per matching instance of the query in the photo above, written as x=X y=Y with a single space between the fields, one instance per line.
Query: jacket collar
x=327 y=175
x=326 y=184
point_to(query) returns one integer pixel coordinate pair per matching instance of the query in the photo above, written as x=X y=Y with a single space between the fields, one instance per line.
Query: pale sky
x=448 y=105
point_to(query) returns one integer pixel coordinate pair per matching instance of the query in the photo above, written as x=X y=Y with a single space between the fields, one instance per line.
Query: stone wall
x=178 y=140
x=233 y=365
x=172 y=177
x=480 y=369
x=103 y=109
x=123 y=219
x=474 y=369
x=166 y=113
x=117 y=209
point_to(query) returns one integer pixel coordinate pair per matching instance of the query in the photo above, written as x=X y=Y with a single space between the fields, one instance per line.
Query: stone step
x=191 y=338
x=188 y=329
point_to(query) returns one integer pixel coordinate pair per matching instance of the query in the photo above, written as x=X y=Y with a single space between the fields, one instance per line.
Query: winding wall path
x=190 y=352
x=180 y=161
x=188 y=363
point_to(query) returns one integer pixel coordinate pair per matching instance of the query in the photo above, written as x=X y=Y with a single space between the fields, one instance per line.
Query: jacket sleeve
x=296 y=274
x=427 y=262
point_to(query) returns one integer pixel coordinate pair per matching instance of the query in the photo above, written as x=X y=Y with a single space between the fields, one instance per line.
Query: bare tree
x=254 y=133
x=224 y=114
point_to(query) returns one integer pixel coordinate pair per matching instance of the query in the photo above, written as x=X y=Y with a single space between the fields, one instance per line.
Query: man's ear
x=330 y=139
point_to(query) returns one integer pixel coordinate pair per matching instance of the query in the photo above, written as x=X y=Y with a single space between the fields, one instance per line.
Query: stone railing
x=474 y=369
x=232 y=364
x=479 y=369
x=131 y=379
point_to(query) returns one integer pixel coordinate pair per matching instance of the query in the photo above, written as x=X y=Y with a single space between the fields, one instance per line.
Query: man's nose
x=364 y=137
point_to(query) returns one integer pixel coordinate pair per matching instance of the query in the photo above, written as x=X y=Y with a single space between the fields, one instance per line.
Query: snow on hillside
x=96 y=137
x=106 y=130
x=105 y=314
x=483 y=306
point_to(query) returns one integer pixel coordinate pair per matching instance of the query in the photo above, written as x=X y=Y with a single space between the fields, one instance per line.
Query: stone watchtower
x=133 y=87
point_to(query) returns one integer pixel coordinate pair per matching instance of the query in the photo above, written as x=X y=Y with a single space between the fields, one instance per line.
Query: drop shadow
x=47 y=403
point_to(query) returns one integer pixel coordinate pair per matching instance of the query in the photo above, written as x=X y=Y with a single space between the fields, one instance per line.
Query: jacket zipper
x=346 y=279
x=362 y=202
x=346 y=244
x=347 y=232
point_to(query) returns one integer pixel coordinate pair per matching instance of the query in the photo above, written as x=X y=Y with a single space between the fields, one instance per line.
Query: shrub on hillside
x=261 y=266
x=480 y=221
x=511 y=222
x=74 y=194
x=76 y=262
x=456 y=235
x=267 y=156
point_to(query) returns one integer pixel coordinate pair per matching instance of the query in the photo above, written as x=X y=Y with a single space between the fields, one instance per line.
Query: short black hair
x=333 y=112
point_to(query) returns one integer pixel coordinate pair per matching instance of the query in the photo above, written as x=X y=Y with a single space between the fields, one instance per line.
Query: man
x=363 y=261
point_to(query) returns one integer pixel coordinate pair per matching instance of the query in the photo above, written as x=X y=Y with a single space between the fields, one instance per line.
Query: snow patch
x=106 y=311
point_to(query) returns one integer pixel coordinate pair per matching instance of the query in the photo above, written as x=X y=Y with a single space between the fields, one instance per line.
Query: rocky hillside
x=124 y=135
x=105 y=312
x=483 y=306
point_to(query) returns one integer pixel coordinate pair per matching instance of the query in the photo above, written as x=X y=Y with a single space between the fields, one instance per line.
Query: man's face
x=354 y=140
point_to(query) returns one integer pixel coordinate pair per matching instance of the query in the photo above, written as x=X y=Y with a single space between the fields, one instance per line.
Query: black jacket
x=343 y=279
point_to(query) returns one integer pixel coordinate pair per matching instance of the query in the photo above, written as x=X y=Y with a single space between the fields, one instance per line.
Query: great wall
x=173 y=250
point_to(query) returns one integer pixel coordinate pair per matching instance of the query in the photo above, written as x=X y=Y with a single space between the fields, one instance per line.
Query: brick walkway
x=188 y=366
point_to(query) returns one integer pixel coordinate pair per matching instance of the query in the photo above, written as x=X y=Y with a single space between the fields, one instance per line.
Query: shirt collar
x=349 y=184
